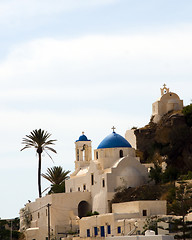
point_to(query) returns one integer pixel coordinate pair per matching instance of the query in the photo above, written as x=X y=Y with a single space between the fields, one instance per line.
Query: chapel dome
x=114 y=140
x=82 y=138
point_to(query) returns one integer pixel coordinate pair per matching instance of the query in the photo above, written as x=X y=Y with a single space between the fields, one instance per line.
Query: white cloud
x=167 y=52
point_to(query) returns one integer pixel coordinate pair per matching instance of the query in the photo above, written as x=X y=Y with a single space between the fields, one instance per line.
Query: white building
x=114 y=165
x=168 y=101
x=91 y=187
x=126 y=218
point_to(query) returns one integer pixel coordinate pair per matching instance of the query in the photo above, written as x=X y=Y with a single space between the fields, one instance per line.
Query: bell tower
x=83 y=152
x=164 y=90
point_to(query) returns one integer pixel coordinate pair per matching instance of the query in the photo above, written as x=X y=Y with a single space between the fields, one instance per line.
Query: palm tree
x=57 y=176
x=39 y=139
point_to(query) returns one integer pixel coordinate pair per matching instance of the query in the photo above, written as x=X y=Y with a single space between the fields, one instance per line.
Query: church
x=168 y=101
x=90 y=187
x=114 y=165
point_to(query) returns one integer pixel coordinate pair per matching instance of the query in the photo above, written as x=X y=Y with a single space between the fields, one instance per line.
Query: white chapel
x=168 y=101
x=90 y=187
x=114 y=165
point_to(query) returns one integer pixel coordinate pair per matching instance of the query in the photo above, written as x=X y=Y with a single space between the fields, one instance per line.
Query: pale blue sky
x=83 y=65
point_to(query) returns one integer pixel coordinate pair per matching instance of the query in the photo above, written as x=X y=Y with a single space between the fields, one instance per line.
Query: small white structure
x=131 y=138
x=126 y=219
x=168 y=101
x=141 y=208
x=62 y=211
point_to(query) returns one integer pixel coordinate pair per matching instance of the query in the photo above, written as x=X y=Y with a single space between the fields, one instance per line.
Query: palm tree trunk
x=39 y=175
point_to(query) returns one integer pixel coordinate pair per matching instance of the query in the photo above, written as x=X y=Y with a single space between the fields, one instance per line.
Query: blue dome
x=82 y=138
x=114 y=140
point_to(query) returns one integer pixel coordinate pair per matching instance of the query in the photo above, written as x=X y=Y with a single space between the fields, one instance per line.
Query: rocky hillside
x=169 y=140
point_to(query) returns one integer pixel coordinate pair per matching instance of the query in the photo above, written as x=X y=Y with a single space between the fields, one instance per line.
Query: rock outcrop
x=168 y=140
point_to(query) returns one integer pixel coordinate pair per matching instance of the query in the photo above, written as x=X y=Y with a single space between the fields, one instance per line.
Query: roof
x=114 y=140
x=82 y=138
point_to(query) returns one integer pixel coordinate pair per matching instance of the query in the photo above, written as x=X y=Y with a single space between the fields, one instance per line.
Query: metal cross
x=113 y=128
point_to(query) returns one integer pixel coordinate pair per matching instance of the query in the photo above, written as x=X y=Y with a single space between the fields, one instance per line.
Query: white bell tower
x=83 y=152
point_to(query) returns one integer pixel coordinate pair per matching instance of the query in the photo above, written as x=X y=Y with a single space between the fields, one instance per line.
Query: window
x=46 y=212
x=84 y=187
x=92 y=179
x=96 y=155
x=70 y=189
x=38 y=215
x=79 y=189
x=103 y=182
x=83 y=154
x=108 y=229
x=118 y=229
x=144 y=212
x=121 y=153
x=77 y=154
x=172 y=228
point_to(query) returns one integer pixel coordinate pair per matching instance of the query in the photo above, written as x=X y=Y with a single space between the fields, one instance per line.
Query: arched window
x=103 y=182
x=121 y=153
x=92 y=179
x=96 y=155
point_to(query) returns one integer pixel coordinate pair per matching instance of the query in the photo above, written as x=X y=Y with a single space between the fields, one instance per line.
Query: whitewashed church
x=90 y=187
x=114 y=165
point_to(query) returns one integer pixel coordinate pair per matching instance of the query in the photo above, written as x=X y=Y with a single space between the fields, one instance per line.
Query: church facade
x=90 y=187
x=114 y=165
x=168 y=101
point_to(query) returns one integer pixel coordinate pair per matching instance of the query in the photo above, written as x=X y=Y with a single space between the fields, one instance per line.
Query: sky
x=82 y=65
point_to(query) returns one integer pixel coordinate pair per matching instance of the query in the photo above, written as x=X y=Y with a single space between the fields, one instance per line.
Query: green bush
x=89 y=214
x=187 y=111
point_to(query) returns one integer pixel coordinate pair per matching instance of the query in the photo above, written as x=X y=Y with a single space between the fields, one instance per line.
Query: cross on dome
x=113 y=128
x=83 y=133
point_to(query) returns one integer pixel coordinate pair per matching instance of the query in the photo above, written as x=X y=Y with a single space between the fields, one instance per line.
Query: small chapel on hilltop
x=168 y=101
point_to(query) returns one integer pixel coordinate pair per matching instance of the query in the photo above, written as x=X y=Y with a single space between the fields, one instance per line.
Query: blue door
x=88 y=232
x=102 y=231
x=95 y=231
x=109 y=229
